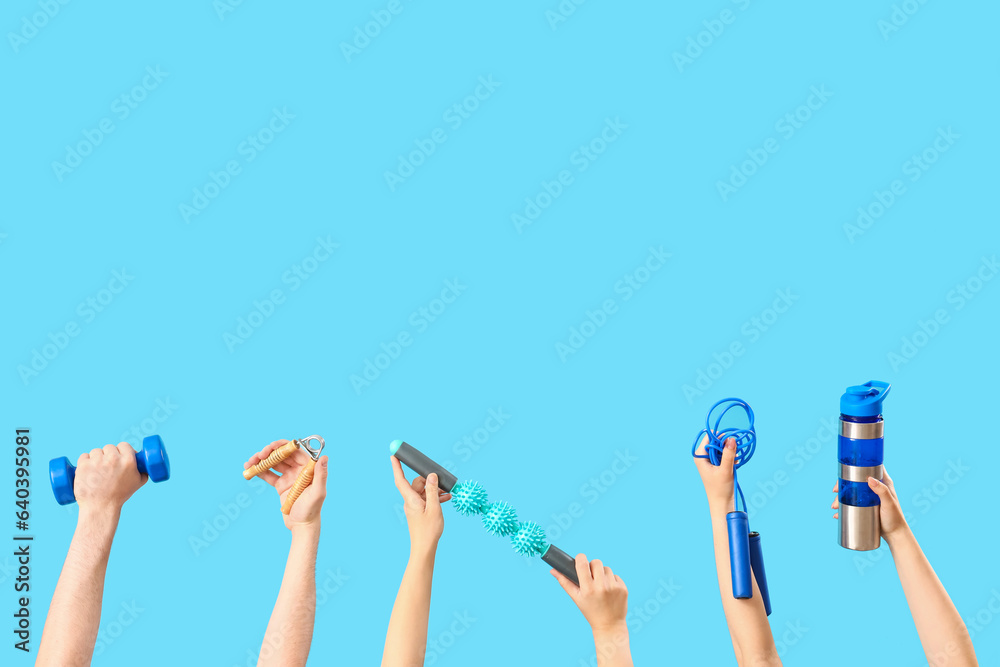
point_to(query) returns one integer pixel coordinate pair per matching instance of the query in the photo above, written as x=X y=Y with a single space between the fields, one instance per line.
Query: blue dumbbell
x=152 y=461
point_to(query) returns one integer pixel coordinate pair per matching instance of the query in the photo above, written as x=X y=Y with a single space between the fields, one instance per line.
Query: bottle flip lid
x=864 y=400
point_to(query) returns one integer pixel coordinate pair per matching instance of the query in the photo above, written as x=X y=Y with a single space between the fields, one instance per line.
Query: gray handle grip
x=562 y=562
x=416 y=461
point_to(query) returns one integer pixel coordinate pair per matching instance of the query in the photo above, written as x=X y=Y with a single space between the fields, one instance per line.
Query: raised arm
x=753 y=642
x=105 y=479
x=943 y=634
x=603 y=600
x=289 y=632
x=406 y=639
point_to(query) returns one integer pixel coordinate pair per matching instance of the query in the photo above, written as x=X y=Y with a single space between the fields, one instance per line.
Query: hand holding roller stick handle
x=423 y=465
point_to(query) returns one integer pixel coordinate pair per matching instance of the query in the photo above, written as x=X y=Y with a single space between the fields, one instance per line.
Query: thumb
x=571 y=589
x=881 y=489
x=728 y=455
x=431 y=491
x=322 y=470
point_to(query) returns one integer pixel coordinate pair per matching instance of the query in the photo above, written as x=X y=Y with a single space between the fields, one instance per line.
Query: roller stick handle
x=739 y=554
x=421 y=464
x=275 y=457
x=757 y=565
x=561 y=562
x=304 y=479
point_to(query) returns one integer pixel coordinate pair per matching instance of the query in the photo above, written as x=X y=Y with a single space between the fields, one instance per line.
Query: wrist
x=308 y=529
x=899 y=537
x=610 y=630
x=98 y=516
x=423 y=554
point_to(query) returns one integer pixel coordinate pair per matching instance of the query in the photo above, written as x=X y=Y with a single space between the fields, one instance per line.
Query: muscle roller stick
x=499 y=518
x=305 y=476
x=745 y=555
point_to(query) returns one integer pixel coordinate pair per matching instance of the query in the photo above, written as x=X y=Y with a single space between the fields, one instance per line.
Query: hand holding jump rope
x=285 y=457
x=731 y=448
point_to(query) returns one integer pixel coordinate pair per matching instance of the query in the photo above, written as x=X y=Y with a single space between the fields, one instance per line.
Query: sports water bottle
x=860 y=453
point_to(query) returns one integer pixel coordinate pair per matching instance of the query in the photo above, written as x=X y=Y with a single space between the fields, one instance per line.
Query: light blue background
x=495 y=346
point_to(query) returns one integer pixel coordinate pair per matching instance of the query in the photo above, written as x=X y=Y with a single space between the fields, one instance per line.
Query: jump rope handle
x=276 y=457
x=421 y=464
x=304 y=479
x=561 y=562
x=757 y=564
x=739 y=554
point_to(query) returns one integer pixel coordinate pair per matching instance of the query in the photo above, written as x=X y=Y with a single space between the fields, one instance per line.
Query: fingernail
x=872 y=483
x=730 y=444
x=432 y=478
x=324 y=462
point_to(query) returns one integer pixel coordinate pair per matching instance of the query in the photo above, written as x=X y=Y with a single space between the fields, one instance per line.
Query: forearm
x=753 y=642
x=612 y=646
x=289 y=632
x=942 y=632
x=406 y=639
x=75 y=612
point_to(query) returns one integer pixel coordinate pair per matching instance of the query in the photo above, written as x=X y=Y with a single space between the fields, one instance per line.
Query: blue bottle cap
x=864 y=400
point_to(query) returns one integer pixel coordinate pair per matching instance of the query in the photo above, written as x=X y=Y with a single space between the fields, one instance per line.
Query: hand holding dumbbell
x=151 y=461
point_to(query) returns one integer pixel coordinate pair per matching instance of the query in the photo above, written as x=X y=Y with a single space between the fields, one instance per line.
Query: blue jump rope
x=745 y=555
x=499 y=518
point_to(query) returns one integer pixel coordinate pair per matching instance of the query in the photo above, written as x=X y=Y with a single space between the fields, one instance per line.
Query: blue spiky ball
x=469 y=498
x=500 y=519
x=529 y=540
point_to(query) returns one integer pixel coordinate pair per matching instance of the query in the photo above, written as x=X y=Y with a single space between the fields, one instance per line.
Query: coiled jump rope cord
x=746 y=559
x=746 y=441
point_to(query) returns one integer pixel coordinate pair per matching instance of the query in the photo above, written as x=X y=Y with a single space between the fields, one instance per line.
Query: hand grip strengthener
x=304 y=478
x=745 y=553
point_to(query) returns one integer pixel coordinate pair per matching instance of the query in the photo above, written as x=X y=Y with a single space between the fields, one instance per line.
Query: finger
x=609 y=577
x=270 y=478
x=284 y=467
x=110 y=450
x=264 y=453
x=835 y=505
x=418 y=485
x=701 y=450
x=433 y=494
x=597 y=570
x=83 y=457
x=888 y=481
x=126 y=450
x=836 y=487
x=836 y=515
x=96 y=453
x=444 y=497
x=880 y=489
x=728 y=455
x=583 y=573
x=401 y=484
x=322 y=471
x=571 y=589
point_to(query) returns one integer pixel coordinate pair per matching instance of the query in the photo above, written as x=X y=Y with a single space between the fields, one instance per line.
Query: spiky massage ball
x=529 y=540
x=469 y=498
x=500 y=519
